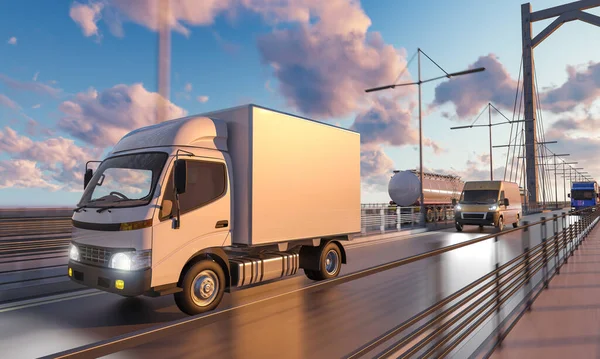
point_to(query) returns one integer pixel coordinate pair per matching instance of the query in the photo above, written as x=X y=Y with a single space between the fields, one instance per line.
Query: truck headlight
x=458 y=207
x=73 y=253
x=131 y=260
x=493 y=208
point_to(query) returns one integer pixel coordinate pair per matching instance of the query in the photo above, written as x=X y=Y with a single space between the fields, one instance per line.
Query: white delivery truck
x=209 y=203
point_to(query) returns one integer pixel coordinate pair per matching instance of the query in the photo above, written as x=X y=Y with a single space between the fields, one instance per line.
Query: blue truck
x=584 y=195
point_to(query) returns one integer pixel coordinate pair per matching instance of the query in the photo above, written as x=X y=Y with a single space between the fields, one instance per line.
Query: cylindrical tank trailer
x=439 y=190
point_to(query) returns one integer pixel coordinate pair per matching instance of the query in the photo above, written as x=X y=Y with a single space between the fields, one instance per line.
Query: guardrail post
x=571 y=236
x=525 y=243
x=544 y=252
x=565 y=233
x=556 y=241
x=382 y=219
x=398 y=219
x=578 y=230
x=499 y=308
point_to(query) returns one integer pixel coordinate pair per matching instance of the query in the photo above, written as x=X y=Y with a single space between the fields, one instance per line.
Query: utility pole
x=490 y=122
x=164 y=59
x=422 y=200
x=567 y=12
x=419 y=83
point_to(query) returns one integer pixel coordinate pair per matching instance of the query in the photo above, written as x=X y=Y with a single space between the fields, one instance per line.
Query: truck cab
x=584 y=195
x=488 y=203
x=185 y=207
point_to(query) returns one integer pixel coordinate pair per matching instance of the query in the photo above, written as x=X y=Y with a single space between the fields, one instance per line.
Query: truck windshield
x=479 y=197
x=582 y=194
x=124 y=181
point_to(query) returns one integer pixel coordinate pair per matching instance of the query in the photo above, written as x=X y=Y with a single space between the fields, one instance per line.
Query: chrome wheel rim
x=331 y=261
x=205 y=287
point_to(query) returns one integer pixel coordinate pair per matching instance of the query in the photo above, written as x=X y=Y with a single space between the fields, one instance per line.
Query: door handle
x=222 y=224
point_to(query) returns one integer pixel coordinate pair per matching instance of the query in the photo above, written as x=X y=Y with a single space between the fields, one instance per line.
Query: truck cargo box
x=293 y=178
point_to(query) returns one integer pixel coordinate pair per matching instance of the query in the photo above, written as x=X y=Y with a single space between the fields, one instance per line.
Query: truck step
x=250 y=270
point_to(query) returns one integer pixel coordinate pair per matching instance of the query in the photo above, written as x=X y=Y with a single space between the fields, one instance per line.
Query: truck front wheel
x=203 y=287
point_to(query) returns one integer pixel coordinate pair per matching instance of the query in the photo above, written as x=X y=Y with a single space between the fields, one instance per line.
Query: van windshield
x=479 y=197
x=124 y=181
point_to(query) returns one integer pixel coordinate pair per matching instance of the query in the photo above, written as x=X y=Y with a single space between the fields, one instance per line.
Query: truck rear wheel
x=329 y=261
x=203 y=287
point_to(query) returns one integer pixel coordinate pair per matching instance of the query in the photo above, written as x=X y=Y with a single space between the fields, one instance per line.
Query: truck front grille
x=94 y=255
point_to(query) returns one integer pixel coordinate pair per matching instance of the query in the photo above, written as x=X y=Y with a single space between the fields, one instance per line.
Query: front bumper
x=490 y=219
x=135 y=282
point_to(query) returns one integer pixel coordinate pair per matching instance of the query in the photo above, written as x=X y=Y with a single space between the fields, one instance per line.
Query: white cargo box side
x=306 y=178
x=293 y=178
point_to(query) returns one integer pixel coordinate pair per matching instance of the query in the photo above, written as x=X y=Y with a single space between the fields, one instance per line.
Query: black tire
x=205 y=273
x=430 y=217
x=500 y=226
x=310 y=274
x=458 y=226
x=516 y=224
x=329 y=269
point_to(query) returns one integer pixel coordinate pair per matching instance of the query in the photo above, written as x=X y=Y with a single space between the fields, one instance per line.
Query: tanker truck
x=439 y=190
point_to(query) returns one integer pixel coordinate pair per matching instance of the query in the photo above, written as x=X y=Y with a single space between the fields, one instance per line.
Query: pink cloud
x=87 y=17
x=376 y=168
x=581 y=87
x=145 y=13
x=102 y=118
x=7 y=102
x=31 y=86
x=388 y=122
x=470 y=93
x=23 y=174
x=322 y=65
x=12 y=41
x=59 y=160
x=202 y=99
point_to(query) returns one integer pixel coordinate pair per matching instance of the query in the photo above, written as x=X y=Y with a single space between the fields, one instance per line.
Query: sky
x=76 y=76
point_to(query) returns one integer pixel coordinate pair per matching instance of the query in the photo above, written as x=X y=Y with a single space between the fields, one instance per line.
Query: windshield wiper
x=109 y=207
x=80 y=208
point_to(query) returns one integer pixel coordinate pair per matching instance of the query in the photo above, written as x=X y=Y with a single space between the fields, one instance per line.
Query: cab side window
x=206 y=182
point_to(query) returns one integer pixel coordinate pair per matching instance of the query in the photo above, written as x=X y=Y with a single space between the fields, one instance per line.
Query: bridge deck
x=564 y=321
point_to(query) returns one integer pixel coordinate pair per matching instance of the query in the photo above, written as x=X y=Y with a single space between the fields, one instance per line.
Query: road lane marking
x=48 y=300
x=390 y=239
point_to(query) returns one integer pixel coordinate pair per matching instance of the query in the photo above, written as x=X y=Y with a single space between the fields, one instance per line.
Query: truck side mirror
x=180 y=176
x=89 y=173
x=506 y=202
x=166 y=209
x=569 y=195
x=454 y=201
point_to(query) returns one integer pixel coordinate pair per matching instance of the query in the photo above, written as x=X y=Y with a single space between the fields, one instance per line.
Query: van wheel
x=203 y=288
x=516 y=224
x=500 y=225
x=459 y=227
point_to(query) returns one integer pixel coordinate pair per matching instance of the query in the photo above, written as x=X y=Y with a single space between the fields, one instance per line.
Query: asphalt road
x=322 y=324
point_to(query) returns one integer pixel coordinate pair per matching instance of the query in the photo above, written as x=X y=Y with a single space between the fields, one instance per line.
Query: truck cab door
x=204 y=219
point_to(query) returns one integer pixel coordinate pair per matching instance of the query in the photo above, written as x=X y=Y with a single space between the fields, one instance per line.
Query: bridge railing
x=444 y=327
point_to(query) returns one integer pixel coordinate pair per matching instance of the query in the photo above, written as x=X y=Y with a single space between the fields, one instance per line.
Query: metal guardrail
x=519 y=270
x=489 y=293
